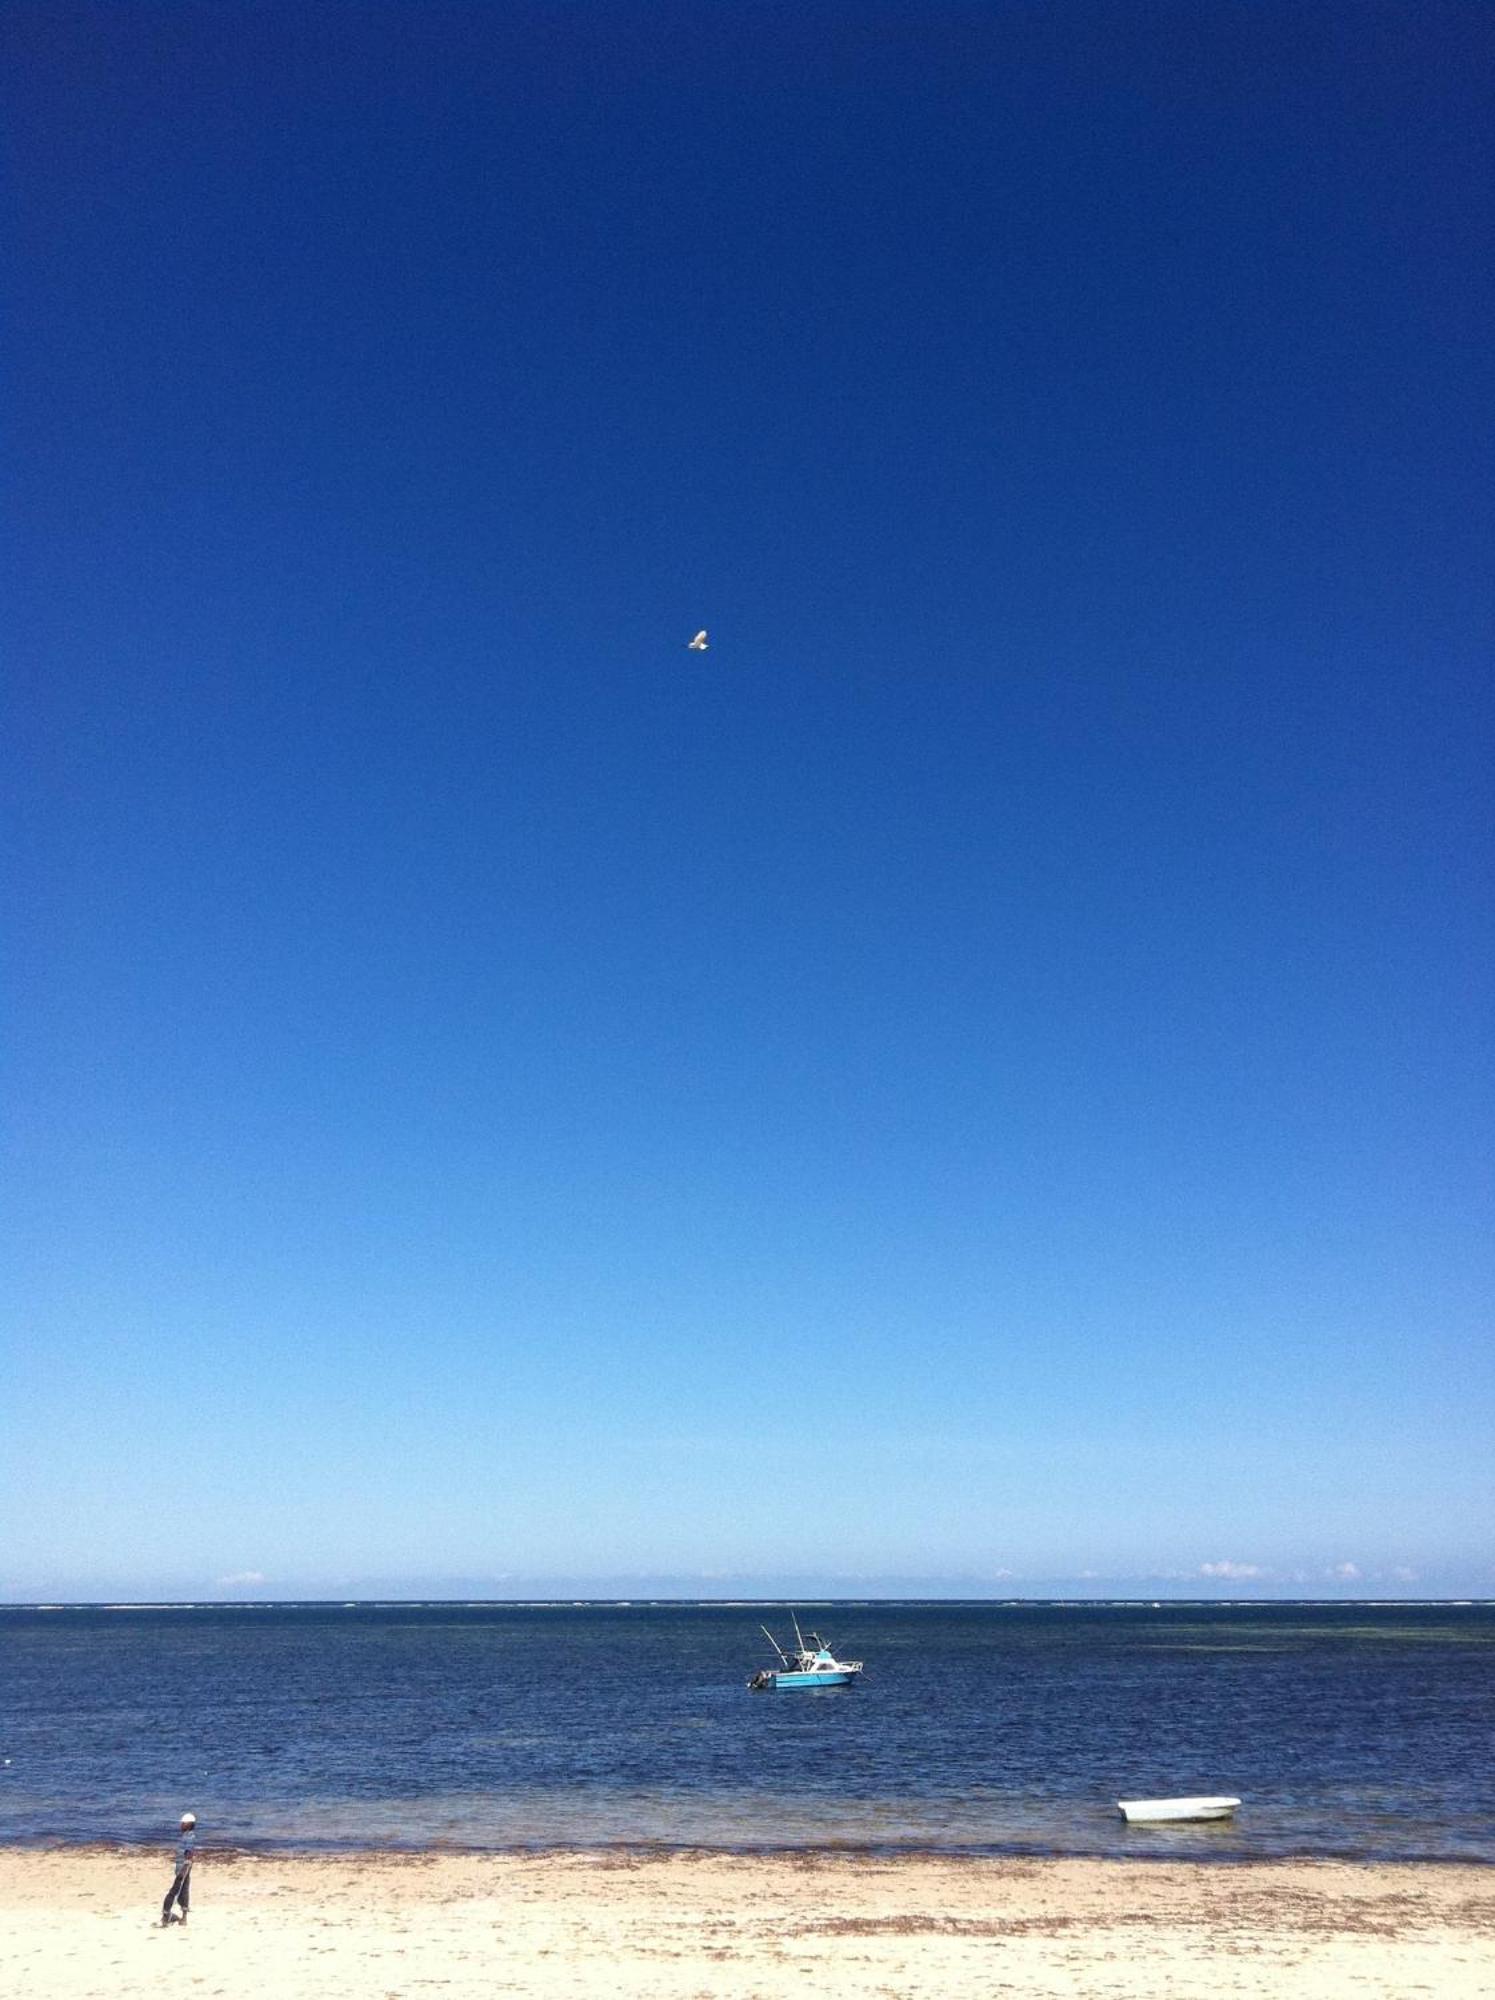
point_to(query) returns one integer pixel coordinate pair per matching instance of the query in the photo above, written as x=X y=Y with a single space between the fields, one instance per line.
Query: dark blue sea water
x=1347 y=1729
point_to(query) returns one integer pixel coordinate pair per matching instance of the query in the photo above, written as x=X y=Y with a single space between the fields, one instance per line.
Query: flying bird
x=698 y=644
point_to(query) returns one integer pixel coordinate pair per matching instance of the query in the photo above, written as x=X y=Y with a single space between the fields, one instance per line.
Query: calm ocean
x=1346 y=1729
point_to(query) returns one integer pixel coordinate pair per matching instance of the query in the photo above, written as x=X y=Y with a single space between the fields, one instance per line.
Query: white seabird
x=698 y=644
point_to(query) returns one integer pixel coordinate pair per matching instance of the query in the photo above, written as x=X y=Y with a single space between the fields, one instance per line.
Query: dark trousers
x=180 y=1892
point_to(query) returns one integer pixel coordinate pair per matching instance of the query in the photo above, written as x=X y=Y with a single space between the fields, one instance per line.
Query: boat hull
x=1150 y=1812
x=842 y=1677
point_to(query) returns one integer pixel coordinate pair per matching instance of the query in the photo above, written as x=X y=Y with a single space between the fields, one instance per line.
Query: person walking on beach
x=180 y=1891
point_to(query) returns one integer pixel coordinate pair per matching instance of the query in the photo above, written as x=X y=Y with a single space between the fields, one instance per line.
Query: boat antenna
x=799 y=1637
x=774 y=1643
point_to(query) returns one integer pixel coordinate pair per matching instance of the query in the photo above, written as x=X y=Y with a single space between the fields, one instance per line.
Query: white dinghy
x=1158 y=1809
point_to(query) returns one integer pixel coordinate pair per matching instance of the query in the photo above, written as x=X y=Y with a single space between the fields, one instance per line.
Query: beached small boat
x=810 y=1665
x=1161 y=1809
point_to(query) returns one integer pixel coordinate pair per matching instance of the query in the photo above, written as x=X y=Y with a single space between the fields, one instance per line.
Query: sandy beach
x=383 y=1927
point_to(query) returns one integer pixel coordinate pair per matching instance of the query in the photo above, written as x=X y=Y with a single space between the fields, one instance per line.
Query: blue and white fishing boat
x=810 y=1665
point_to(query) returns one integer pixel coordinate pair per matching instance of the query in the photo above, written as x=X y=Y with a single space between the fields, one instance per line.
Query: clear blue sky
x=984 y=1078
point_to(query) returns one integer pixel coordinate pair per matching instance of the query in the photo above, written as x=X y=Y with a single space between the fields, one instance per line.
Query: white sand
x=682 y=1927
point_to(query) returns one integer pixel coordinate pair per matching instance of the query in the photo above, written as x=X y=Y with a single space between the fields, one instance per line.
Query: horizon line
x=654 y=1599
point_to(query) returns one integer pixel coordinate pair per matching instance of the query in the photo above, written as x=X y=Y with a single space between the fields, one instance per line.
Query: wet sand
x=641 y=1926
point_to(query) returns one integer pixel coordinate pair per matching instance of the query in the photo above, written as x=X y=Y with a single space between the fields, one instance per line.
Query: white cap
x=189 y=1819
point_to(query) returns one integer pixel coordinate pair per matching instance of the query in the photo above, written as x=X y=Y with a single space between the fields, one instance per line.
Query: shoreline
x=602 y=1852
x=82 y=1923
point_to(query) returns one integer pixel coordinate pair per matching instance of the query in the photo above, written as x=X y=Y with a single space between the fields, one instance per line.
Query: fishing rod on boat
x=774 y=1643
